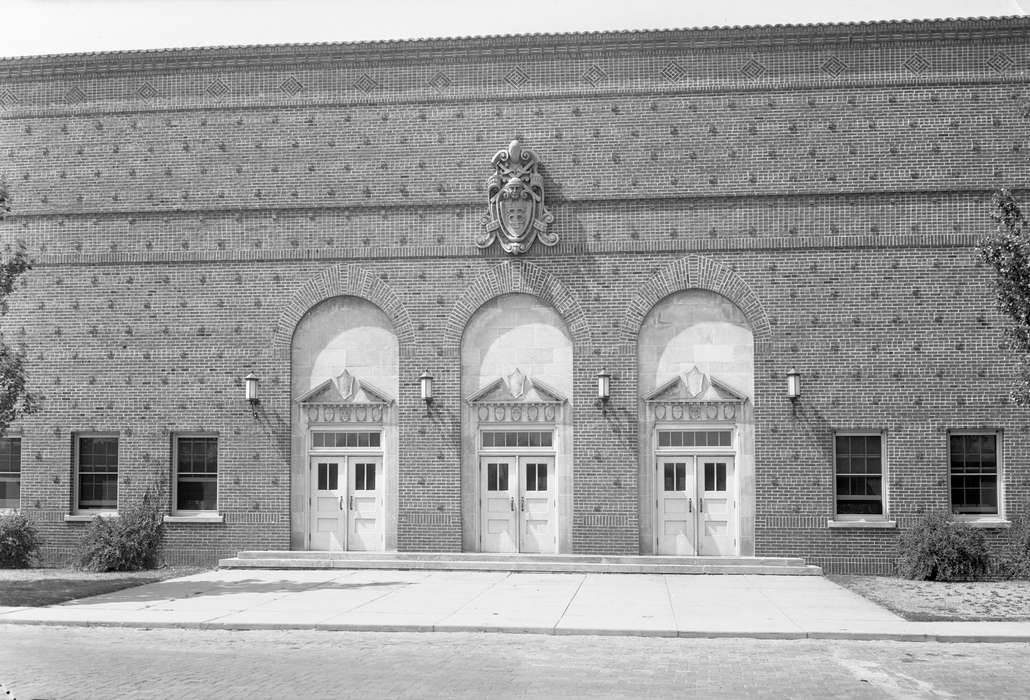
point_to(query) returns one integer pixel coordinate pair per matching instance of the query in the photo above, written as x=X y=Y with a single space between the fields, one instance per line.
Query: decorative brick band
x=430 y=517
x=604 y=520
x=252 y=518
x=342 y=280
x=44 y=516
x=518 y=277
x=698 y=272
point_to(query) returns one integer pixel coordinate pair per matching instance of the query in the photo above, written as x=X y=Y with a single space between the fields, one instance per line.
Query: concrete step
x=526 y=563
x=500 y=557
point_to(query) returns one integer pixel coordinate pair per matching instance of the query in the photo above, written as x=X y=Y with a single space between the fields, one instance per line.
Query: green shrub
x=939 y=549
x=130 y=542
x=19 y=542
x=1016 y=563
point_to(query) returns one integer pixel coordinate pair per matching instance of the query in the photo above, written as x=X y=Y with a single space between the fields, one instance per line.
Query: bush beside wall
x=19 y=542
x=130 y=542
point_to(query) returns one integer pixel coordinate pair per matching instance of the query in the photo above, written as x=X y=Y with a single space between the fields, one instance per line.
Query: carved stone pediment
x=696 y=397
x=517 y=399
x=344 y=399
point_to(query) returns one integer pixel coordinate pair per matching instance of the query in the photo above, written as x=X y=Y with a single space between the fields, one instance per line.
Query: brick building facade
x=728 y=204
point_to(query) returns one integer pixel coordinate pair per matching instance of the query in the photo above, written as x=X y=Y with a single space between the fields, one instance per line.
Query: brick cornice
x=488 y=47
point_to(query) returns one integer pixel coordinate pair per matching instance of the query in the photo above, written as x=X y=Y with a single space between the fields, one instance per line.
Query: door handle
x=522 y=503
x=512 y=499
x=700 y=505
x=690 y=505
x=341 y=502
x=351 y=502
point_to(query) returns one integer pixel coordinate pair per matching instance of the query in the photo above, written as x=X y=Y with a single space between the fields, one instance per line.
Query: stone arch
x=517 y=277
x=698 y=272
x=342 y=280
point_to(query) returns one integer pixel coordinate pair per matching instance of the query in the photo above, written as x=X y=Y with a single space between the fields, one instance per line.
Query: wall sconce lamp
x=604 y=387
x=250 y=389
x=794 y=388
x=425 y=382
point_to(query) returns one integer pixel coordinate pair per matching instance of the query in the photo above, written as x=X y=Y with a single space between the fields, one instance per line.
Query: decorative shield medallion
x=517 y=215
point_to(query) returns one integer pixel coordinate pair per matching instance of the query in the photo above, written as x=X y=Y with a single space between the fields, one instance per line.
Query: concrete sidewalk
x=776 y=607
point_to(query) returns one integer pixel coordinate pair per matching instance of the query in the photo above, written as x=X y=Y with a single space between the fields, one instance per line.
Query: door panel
x=498 y=487
x=328 y=489
x=537 y=505
x=717 y=506
x=365 y=504
x=676 y=482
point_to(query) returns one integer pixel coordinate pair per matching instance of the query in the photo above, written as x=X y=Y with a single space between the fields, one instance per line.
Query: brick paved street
x=70 y=662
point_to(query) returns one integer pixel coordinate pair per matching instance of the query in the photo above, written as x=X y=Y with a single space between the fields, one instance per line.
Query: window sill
x=87 y=517
x=863 y=524
x=995 y=523
x=210 y=518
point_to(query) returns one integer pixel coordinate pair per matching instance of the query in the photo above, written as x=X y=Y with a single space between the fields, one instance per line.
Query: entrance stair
x=552 y=563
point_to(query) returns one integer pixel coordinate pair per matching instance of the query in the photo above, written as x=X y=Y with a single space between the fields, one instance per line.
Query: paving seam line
x=963 y=637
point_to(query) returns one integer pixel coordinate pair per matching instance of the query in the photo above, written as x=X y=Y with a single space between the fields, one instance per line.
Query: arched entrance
x=516 y=382
x=344 y=363
x=695 y=354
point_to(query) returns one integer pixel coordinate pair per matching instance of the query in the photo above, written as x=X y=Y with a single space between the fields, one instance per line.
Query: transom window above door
x=347 y=438
x=694 y=438
x=518 y=438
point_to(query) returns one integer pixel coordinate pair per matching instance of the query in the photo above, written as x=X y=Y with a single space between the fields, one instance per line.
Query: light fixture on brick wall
x=794 y=388
x=604 y=386
x=425 y=382
x=250 y=389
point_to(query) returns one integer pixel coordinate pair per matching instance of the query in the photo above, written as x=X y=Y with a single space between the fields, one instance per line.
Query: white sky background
x=31 y=27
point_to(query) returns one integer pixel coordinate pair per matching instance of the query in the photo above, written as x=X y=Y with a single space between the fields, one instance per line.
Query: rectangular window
x=349 y=438
x=10 y=473
x=196 y=473
x=517 y=438
x=859 y=475
x=974 y=474
x=694 y=438
x=97 y=472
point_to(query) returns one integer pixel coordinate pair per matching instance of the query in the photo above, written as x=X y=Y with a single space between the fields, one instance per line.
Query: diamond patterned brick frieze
x=439 y=81
x=291 y=86
x=833 y=66
x=1000 y=62
x=516 y=77
x=217 y=88
x=147 y=91
x=74 y=95
x=673 y=71
x=8 y=99
x=366 y=83
x=916 y=64
x=594 y=74
x=753 y=69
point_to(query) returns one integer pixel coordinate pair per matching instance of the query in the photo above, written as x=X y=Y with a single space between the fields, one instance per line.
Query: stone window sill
x=208 y=518
x=863 y=524
x=997 y=523
x=87 y=517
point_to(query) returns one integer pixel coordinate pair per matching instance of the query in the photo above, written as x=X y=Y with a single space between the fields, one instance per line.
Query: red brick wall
x=174 y=224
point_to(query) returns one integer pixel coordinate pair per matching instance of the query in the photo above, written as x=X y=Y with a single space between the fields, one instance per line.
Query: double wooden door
x=697 y=512
x=518 y=505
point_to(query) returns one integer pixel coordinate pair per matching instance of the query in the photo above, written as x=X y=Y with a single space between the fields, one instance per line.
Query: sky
x=33 y=27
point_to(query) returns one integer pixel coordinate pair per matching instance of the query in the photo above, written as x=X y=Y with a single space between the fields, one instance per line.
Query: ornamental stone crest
x=517 y=215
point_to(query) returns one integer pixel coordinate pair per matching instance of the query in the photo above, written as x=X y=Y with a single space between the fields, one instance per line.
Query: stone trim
x=679 y=245
x=698 y=272
x=518 y=277
x=341 y=280
x=502 y=47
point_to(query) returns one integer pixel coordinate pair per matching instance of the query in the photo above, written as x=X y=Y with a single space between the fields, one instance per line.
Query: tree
x=15 y=399
x=1007 y=250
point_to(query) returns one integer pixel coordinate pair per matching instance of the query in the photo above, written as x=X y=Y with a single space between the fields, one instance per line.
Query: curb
x=885 y=636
